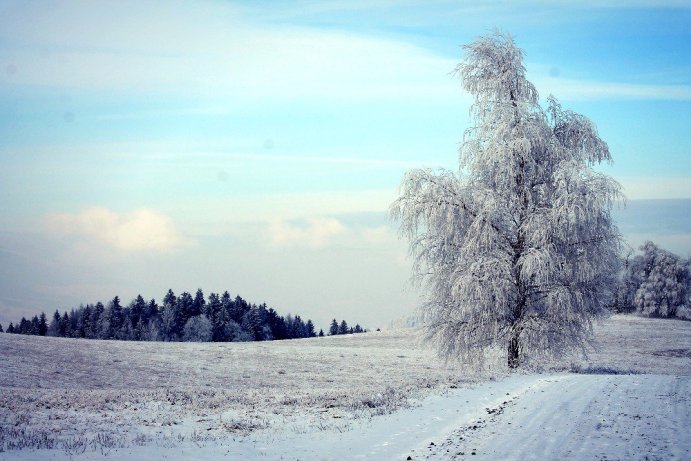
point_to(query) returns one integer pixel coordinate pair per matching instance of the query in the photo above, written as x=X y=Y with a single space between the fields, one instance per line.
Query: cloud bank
x=140 y=230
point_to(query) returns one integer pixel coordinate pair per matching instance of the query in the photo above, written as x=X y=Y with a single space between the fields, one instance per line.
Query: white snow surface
x=375 y=396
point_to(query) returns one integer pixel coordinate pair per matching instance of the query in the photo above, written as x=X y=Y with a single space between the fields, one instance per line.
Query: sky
x=255 y=147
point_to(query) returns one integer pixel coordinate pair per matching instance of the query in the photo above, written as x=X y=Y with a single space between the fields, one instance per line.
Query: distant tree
x=343 y=328
x=42 y=324
x=277 y=324
x=198 y=329
x=153 y=330
x=54 y=326
x=298 y=329
x=34 y=326
x=137 y=309
x=170 y=298
x=150 y=312
x=321 y=333
x=182 y=311
x=660 y=280
x=168 y=320
x=623 y=299
x=126 y=331
x=254 y=323
x=234 y=332
x=64 y=325
x=10 y=328
x=198 y=304
x=358 y=328
x=309 y=329
x=1 y=330
x=214 y=312
x=100 y=324
x=333 y=329
x=115 y=317
x=518 y=251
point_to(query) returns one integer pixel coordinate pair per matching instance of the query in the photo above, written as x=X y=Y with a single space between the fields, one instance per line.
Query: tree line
x=179 y=318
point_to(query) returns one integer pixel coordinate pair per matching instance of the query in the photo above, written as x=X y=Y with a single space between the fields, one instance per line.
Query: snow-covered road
x=584 y=417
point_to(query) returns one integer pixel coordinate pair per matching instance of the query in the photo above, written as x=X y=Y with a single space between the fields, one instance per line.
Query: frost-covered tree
x=198 y=329
x=54 y=327
x=660 y=280
x=516 y=252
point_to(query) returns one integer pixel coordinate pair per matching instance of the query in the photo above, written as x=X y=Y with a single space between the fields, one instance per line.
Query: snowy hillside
x=369 y=396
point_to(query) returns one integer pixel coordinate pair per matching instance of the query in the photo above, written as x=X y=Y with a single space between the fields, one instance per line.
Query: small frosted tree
x=198 y=329
x=518 y=250
x=661 y=281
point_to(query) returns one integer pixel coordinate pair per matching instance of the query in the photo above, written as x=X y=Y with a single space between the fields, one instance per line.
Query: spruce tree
x=309 y=329
x=333 y=329
x=42 y=324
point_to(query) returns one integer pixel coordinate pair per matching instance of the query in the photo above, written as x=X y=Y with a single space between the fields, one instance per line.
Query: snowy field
x=375 y=396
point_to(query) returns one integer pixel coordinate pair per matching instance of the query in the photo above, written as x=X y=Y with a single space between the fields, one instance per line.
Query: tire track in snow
x=603 y=417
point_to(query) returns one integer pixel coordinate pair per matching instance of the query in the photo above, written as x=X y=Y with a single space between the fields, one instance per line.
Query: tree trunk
x=513 y=351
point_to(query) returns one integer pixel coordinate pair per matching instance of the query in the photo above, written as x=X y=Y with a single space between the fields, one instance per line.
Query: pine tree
x=97 y=320
x=214 y=312
x=33 y=329
x=137 y=309
x=198 y=305
x=42 y=324
x=333 y=329
x=343 y=328
x=1 y=330
x=115 y=317
x=54 y=327
x=150 y=312
x=10 y=328
x=183 y=311
x=309 y=329
x=64 y=325
x=518 y=250
x=321 y=333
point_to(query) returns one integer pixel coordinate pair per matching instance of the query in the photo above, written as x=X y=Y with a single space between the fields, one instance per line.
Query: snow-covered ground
x=374 y=396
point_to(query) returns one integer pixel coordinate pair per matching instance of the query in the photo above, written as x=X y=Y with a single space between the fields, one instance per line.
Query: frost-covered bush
x=655 y=283
x=234 y=332
x=684 y=313
x=198 y=329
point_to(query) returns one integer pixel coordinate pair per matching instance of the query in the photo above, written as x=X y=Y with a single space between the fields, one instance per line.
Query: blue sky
x=256 y=146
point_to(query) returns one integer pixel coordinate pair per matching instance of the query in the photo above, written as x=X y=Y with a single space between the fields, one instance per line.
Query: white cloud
x=571 y=89
x=140 y=230
x=210 y=49
x=311 y=233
